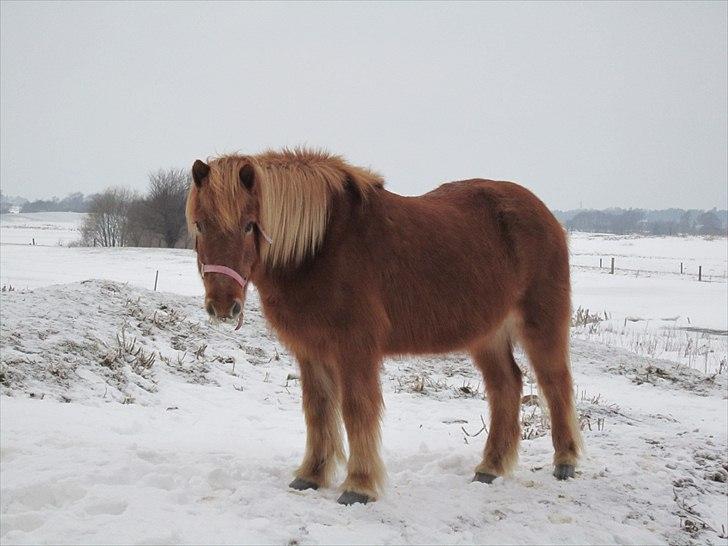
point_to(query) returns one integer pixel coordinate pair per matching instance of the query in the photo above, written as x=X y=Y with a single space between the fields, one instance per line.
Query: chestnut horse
x=349 y=273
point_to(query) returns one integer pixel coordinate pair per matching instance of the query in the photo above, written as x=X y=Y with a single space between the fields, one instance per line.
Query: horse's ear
x=247 y=176
x=200 y=170
x=353 y=189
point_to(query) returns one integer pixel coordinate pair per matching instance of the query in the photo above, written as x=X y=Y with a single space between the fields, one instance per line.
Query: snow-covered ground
x=648 y=255
x=647 y=306
x=28 y=267
x=126 y=417
x=46 y=228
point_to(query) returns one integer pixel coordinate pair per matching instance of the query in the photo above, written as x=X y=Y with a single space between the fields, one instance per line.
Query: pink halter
x=242 y=281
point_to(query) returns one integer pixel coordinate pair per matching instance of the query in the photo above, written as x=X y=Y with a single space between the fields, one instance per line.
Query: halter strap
x=242 y=281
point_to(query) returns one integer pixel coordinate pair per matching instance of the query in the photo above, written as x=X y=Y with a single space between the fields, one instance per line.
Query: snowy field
x=46 y=228
x=128 y=418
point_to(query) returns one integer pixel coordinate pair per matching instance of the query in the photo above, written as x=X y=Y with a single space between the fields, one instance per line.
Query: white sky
x=615 y=104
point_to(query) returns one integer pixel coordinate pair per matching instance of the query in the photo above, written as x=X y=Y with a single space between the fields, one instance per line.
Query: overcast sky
x=596 y=104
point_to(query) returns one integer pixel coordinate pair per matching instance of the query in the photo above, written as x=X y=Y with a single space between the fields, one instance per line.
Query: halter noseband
x=224 y=270
x=242 y=281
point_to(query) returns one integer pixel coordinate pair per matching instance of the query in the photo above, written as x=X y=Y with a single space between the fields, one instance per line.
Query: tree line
x=121 y=217
x=73 y=202
x=651 y=222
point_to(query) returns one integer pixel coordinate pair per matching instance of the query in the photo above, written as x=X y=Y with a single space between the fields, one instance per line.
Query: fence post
x=681 y=269
x=612 y=270
x=700 y=272
x=156 y=277
x=600 y=263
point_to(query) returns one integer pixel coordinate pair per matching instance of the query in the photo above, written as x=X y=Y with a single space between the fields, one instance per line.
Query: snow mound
x=77 y=341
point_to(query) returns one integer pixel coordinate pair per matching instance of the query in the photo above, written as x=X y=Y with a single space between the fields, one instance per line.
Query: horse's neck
x=342 y=220
x=275 y=285
x=265 y=282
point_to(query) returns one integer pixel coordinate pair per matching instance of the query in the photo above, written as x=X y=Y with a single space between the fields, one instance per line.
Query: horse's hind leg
x=321 y=397
x=545 y=338
x=503 y=385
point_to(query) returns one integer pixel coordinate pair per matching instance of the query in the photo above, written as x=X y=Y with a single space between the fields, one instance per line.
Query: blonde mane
x=295 y=189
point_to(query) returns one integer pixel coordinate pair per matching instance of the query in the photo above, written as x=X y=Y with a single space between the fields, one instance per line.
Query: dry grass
x=698 y=349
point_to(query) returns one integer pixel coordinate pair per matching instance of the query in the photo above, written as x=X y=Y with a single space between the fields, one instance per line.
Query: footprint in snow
x=113 y=508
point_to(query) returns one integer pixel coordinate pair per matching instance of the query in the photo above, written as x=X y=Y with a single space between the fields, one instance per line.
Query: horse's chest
x=299 y=328
x=286 y=315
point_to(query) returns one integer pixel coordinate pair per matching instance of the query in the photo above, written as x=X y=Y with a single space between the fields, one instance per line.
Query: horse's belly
x=447 y=329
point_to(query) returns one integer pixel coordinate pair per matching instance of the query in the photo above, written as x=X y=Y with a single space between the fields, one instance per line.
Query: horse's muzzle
x=222 y=311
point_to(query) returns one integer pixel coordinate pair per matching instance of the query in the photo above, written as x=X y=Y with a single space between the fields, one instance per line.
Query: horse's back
x=533 y=238
x=496 y=196
x=465 y=254
x=511 y=216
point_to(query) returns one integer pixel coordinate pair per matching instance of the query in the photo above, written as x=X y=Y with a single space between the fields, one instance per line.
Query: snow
x=126 y=417
x=47 y=228
x=27 y=267
x=653 y=298
x=647 y=280
x=651 y=254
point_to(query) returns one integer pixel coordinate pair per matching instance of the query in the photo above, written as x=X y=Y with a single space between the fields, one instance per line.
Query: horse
x=349 y=273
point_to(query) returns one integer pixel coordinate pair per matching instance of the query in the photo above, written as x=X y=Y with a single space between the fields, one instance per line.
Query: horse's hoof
x=300 y=484
x=351 y=497
x=484 y=477
x=564 y=471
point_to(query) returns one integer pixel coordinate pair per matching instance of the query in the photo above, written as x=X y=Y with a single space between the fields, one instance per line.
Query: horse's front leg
x=362 y=409
x=321 y=402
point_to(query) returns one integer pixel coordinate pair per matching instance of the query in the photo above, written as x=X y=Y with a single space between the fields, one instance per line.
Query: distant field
x=646 y=255
x=47 y=228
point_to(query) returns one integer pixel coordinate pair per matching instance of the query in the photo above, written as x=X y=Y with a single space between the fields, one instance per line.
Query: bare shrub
x=163 y=211
x=107 y=221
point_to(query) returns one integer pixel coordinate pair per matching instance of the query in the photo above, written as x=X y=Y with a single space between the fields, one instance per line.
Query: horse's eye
x=198 y=227
x=249 y=227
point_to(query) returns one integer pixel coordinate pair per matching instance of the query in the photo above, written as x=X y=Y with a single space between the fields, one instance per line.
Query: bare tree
x=165 y=205
x=107 y=221
x=138 y=233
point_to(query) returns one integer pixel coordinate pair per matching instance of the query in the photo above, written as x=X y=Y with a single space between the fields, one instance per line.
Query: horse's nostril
x=236 y=309
x=210 y=309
